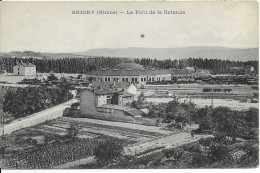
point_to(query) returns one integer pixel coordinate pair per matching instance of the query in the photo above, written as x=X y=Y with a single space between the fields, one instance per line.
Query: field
x=43 y=145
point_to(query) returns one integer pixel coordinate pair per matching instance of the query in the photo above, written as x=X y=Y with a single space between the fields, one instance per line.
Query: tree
x=107 y=152
x=141 y=98
x=220 y=153
x=72 y=131
x=252 y=117
x=52 y=77
x=251 y=158
x=74 y=106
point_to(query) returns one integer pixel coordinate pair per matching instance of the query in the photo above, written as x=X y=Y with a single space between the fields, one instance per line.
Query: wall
x=30 y=71
x=88 y=103
x=24 y=71
x=88 y=108
x=21 y=70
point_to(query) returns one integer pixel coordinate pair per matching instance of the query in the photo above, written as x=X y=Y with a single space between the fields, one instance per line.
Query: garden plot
x=100 y=129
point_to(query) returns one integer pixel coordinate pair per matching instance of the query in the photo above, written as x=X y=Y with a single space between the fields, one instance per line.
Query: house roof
x=128 y=72
x=27 y=64
x=104 y=90
x=127 y=94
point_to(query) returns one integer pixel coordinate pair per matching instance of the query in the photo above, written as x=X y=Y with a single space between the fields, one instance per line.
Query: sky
x=51 y=26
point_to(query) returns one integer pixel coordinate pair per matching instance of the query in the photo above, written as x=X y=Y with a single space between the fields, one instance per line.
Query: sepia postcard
x=129 y=85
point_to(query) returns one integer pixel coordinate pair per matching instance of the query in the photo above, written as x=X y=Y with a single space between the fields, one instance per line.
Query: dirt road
x=171 y=141
x=39 y=117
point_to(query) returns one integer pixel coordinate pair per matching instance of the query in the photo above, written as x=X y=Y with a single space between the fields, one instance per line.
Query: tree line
x=215 y=65
x=21 y=102
x=85 y=65
x=62 y=65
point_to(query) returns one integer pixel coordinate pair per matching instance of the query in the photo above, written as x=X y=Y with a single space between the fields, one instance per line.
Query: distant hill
x=39 y=55
x=178 y=53
x=234 y=54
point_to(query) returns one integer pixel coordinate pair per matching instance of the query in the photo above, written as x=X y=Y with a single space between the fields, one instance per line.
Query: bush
x=108 y=151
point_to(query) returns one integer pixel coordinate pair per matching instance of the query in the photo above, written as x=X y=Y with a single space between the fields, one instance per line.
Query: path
x=166 y=142
x=36 y=118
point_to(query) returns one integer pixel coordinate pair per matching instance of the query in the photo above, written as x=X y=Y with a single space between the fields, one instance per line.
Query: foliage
x=52 y=77
x=62 y=65
x=138 y=104
x=215 y=65
x=251 y=158
x=74 y=105
x=51 y=155
x=108 y=151
x=229 y=123
x=72 y=131
x=21 y=102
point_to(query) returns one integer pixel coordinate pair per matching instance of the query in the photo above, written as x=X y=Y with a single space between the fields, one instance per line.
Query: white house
x=24 y=69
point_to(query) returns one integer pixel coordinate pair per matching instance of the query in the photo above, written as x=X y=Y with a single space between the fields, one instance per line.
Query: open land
x=138 y=140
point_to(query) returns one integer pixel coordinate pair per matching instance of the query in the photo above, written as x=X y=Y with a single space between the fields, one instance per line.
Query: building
x=249 y=70
x=110 y=104
x=24 y=69
x=136 y=73
x=129 y=72
x=180 y=74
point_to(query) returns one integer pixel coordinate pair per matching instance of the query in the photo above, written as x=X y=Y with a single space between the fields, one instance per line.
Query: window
x=126 y=79
x=108 y=79
x=141 y=79
x=136 y=79
x=123 y=79
x=105 y=79
x=133 y=79
x=144 y=79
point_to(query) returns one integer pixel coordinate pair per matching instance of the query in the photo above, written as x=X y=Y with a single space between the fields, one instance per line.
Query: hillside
x=178 y=53
x=39 y=55
x=233 y=54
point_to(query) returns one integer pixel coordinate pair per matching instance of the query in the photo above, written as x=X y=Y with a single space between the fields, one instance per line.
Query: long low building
x=136 y=73
x=130 y=72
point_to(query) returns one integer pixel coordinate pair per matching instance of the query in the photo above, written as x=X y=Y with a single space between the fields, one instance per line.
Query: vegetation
x=138 y=104
x=215 y=65
x=108 y=151
x=173 y=111
x=21 y=102
x=84 y=65
x=229 y=123
x=51 y=155
x=64 y=65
